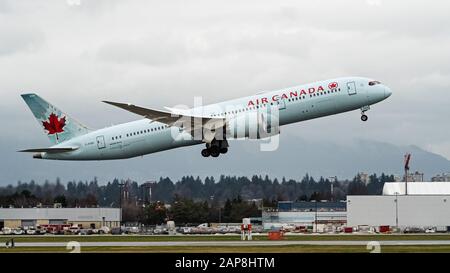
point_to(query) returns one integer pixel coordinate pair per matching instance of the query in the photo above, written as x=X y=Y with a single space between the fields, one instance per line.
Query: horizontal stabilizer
x=50 y=150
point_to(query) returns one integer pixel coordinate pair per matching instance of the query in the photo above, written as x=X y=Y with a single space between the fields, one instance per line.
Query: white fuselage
x=295 y=104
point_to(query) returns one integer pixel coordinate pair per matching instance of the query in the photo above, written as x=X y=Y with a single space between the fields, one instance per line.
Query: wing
x=50 y=150
x=171 y=118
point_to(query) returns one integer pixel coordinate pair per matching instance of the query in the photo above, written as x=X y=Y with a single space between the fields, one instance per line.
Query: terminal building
x=82 y=217
x=307 y=214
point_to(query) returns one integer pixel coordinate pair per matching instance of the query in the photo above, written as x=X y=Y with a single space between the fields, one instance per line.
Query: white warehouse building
x=426 y=205
x=83 y=217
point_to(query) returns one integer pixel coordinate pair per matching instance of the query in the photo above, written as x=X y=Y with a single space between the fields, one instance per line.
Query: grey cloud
x=4 y=7
x=20 y=39
x=167 y=49
x=417 y=18
x=158 y=54
x=157 y=50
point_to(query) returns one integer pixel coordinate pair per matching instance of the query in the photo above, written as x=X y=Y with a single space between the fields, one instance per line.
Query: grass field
x=228 y=249
x=231 y=249
x=184 y=238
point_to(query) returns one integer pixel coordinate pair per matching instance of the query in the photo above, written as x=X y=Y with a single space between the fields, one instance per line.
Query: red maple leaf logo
x=332 y=85
x=54 y=125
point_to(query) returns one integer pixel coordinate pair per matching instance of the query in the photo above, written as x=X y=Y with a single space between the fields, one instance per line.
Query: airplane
x=253 y=117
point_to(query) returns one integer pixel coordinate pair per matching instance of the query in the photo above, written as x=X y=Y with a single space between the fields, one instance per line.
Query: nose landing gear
x=364 y=117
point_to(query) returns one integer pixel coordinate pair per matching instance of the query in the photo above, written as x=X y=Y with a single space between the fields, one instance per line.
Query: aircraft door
x=101 y=142
x=351 y=88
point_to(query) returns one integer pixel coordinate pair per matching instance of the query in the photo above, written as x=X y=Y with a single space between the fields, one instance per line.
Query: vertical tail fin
x=58 y=126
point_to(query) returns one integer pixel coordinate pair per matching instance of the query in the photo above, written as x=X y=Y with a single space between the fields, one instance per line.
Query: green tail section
x=58 y=126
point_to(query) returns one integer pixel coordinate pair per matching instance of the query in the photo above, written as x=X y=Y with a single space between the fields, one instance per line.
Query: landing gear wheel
x=364 y=117
x=223 y=150
x=206 y=153
x=215 y=151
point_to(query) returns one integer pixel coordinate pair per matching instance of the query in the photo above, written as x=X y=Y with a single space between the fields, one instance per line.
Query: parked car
x=430 y=230
x=413 y=230
x=18 y=231
x=40 y=231
x=116 y=231
x=31 y=231
x=104 y=230
x=85 y=232
x=73 y=230
x=133 y=230
x=157 y=231
x=7 y=231
x=186 y=230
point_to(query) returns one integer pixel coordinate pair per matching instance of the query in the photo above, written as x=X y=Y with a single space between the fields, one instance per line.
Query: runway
x=238 y=243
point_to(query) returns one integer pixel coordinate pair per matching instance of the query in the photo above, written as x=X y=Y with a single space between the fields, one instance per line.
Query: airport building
x=82 y=217
x=399 y=211
x=306 y=214
x=427 y=204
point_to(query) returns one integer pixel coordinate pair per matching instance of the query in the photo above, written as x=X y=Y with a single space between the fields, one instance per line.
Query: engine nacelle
x=254 y=125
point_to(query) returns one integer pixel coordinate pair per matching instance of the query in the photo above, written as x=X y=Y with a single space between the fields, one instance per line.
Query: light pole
x=220 y=208
x=120 y=199
x=396 y=209
x=315 y=215
x=262 y=211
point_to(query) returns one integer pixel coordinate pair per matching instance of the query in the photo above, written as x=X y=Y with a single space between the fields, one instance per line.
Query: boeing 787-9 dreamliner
x=252 y=117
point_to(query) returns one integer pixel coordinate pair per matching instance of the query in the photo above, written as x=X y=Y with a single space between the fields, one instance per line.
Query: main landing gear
x=215 y=148
x=364 y=117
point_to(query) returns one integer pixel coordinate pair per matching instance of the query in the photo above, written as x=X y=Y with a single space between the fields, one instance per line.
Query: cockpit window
x=374 y=83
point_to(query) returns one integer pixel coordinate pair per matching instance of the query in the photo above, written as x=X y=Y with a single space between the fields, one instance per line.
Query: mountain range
x=294 y=158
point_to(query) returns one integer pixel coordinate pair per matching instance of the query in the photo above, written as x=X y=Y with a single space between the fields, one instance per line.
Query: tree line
x=189 y=200
x=110 y=194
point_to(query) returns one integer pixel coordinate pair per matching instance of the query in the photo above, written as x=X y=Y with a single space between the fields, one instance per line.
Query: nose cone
x=387 y=92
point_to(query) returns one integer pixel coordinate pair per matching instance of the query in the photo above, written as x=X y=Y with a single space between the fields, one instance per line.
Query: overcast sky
x=76 y=53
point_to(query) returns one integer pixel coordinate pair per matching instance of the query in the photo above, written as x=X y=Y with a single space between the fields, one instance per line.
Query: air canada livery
x=254 y=117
